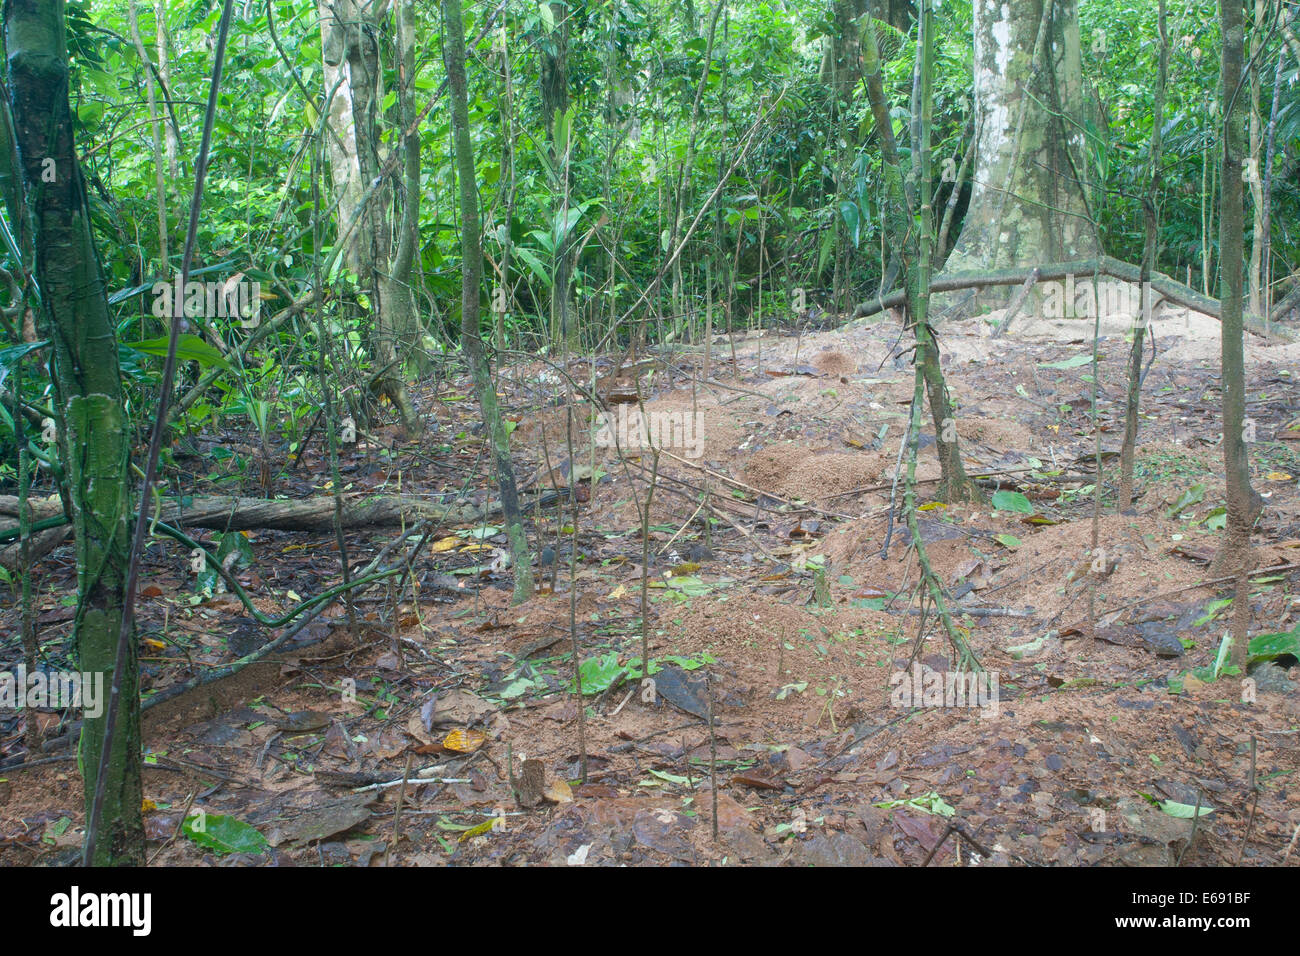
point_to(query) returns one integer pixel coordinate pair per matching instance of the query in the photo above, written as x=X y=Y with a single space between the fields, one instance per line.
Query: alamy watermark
x=53 y=689
x=1077 y=298
x=234 y=298
x=88 y=909
x=628 y=428
x=923 y=687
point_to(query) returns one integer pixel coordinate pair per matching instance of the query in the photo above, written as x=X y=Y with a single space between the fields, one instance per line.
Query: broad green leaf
x=1264 y=647
x=929 y=803
x=788 y=689
x=1221 y=660
x=189 y=348
x=1212 y=611
x=224 y=834
x=235 y=543
x=516 y=688
x=1012 y=501
x=1007 y=540
x=487 y=531
x=562 y=224
x=689 y=585
x=827 y=247
x=671 y=778
x=689 y=663
x=849 y=213
x=10 y=357
x=656 y=664
x=1186 y=500
x=1074 y=361
x=535 y=264
x=600 y=673
x=1216 y=519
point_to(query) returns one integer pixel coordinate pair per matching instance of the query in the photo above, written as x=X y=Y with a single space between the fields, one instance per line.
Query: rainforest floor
x=772 y=601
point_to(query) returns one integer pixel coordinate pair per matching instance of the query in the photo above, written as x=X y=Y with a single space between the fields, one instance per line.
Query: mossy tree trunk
x=89 y=397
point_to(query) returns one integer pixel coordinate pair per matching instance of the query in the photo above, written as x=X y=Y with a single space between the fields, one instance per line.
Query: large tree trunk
x=351 y=37
x=341 y=140
x=842 y=65
x=396 y=294
x=1027 y=201
x=89 y=396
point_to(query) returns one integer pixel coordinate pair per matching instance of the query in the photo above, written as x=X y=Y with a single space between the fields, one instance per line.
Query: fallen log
x=39 y=545
x=230 y=513
x=1170 y=288
x=225 y=513
x=37 y=508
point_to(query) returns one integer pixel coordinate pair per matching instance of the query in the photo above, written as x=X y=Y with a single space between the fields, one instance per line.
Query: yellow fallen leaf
x=154 y=644
x=617 y=593
x=482 y=828
x=464 y=741
x=1278 y=476
x=445 y=544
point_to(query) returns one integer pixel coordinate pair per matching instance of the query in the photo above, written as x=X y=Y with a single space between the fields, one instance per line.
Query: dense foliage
x=794 y=228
